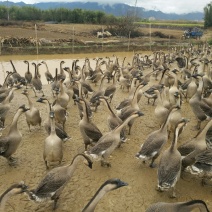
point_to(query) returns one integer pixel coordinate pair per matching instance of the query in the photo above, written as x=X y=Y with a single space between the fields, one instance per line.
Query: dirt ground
x=142 y=180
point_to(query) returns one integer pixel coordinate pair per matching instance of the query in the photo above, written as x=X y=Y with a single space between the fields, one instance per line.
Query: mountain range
x=116 y=9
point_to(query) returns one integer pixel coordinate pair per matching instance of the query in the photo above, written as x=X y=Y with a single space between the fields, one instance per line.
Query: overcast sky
x=167 y=6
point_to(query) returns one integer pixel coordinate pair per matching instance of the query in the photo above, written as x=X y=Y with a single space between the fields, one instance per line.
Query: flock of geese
x=181 y=76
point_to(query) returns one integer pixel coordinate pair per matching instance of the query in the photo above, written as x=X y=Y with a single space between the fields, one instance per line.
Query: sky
x=166 y=6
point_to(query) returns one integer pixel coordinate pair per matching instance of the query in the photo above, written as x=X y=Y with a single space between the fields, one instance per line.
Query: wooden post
x=73 y=40
x=129 y=41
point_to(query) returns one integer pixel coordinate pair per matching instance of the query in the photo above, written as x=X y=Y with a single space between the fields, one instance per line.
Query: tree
x=208 y=15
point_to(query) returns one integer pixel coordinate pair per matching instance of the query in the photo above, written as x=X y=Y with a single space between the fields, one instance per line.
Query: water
x=53 y=62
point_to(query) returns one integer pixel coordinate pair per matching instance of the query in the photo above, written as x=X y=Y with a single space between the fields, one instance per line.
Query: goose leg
x=55 y=202
x=12 y=161
x=105 y=164
x=152 y=165
x=173 y=193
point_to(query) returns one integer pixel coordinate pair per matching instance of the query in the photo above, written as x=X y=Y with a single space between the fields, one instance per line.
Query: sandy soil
x=142 y=180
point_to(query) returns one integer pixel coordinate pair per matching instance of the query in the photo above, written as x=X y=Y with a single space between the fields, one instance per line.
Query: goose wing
x=153 y=144
x=187 y=148
x=92 y=131
x=205 y=157
x=54 y=180
x=101 y=147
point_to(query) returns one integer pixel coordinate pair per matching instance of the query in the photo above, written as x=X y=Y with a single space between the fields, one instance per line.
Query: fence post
x=73 y=40
x=129 y=41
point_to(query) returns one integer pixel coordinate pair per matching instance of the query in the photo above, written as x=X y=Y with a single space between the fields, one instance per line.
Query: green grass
x=173 y=23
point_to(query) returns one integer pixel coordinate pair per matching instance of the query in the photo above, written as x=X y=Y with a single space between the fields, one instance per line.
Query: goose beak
x=122 y=183
x=140 y=113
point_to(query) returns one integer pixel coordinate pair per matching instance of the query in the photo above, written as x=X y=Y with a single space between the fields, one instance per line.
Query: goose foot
x=12 y=161
x=105 y=164
x=152 y=165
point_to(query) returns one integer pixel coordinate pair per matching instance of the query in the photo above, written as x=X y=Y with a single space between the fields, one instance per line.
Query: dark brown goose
x=33 y=116
x=154 y=142
x=109 y=142
x=61 y=133
x=89 y=131
x=14 y=189
x=10 y=143
x=53 y=183
x=169 y=167
x=107 y=186
x=178 y=206
x=62 y=74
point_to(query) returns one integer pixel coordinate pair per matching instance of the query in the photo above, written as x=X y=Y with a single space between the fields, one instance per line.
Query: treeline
x=208 y=15
x=59 y=15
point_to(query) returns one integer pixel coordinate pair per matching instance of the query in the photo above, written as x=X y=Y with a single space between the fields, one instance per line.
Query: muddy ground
x=142 y=180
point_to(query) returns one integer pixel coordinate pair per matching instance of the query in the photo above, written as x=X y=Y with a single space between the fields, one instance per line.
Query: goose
x=111 y=89
x=169 y=167
x=16 y=77
x=5 y=106
x=47 y=73
x=55 y=85
x=14 y=189
x=63 y=97
x=188 y=206
x=36 y=82
x=203 y=165
x=28 y=74
x=191 y=88
x=100 y=92
x=190 y=149
x=53 y=145
x=53 y=183
x=10 y=142
x=107 y=186
x=113 y=120
x=160 y=111
x=195 y=102
x=89 y=131
x=154 y=142
x=87 y=103
x=60 y=113
x=124 y=81
x=109 y=142
x=61 y=133
x=33 y=116
x=62 y=74
x=175 y=116
x=127 y=111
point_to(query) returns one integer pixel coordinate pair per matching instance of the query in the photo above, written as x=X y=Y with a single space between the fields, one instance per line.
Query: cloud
x=171 y=6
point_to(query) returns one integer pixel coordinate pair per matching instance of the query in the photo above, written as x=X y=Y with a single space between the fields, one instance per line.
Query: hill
x=117 y=9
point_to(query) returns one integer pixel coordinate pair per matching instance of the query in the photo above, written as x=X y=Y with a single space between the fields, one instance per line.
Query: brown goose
x=60 y=113
x=169 y=167
x=47 y=73
x=89 y=131
x=178 y=206
x=33 y=116
x=195 y=146
x=61 y=133
x=154 y=142
x=36 y=82
x=28 y=74
x=195 y=103
x=62 y=74
x=113 y=120
x=10 y=143
x=53 y=183
x=107 y=186
x=109 y=142
x=127 y=111
x=5 y=106
x=53 y=145
x=14 y=189
x=63 y=97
